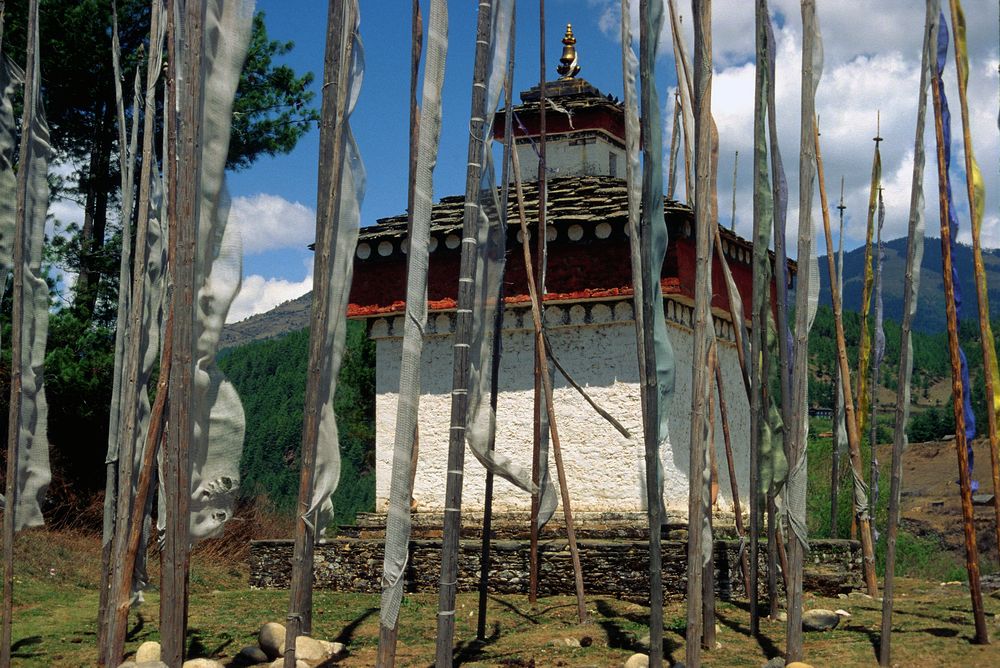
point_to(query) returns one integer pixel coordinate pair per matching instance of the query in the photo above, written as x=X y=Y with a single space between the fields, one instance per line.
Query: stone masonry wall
x=612 y=568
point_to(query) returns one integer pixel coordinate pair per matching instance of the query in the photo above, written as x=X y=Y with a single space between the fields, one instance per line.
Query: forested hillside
x=271 y=379
x=932 y=416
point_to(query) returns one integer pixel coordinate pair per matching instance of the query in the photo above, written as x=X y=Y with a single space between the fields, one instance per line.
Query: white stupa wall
x=596 y=343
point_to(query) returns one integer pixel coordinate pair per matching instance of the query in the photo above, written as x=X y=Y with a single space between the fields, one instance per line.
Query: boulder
x=333 y=648
x=148 y=651
x=637 y=661
x=798 y=664
x=149 y=664
x=202 y=663
x=280 y=663
x=309 y=650
x=251 y=656
x=564 y=642
x=775 y=662
x=820 y=620
x=271 y=639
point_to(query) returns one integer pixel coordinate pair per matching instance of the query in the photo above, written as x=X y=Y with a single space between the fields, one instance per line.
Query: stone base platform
x=618 y=568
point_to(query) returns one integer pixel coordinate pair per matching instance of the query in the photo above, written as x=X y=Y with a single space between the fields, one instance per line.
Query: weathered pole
x=187 y=40
x=508 y=147
x=951 y=311
x=386 y=657
x=761 y=292
x=977 y=201
x=17 y=318
x=797 y=431
x=911 y=287
x=703 y=330
x=541 y=365
x=122 y=553
x=732 y=220
x=338 y=57
x=838 y=401
x=638 y=131
x=733 y=483
x=850 y=420
x=536 y=314
x=463 y=335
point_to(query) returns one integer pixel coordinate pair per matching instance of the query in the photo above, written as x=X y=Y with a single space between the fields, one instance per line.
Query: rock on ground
x=148 y=651
x=798 y=664
x=776 y=662
x=637 y=661
x=820 y=620
x=271 y=639
x=251 y=656
x=280 y=663
x=202 y=663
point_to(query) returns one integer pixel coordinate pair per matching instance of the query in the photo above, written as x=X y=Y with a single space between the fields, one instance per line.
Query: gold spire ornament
x=569 y=64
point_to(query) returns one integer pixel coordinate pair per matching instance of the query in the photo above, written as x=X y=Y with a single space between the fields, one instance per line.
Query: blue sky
x=870 y=65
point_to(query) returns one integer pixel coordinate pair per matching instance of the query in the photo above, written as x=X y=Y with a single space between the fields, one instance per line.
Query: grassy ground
x=56 y=602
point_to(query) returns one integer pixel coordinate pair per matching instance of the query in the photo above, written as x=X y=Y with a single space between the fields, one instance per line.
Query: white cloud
x=260 y=294
x=269 y=222
x=872 y=64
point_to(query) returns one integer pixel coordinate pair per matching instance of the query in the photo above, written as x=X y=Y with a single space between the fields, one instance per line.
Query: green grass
x=54 y=620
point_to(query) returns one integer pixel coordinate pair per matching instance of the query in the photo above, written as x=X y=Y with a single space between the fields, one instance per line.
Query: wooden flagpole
x=733 y=484
x=837 y=398
x=386 y=657
x=697 y=492
x=985 y=333
x=508 y=146
x=536 y=314
x=463 y=335
x=337 y=66
x=850 y=420
x=187 y=39
x=957 y=392
x=17 y=319
x=911 y=284
x=732 y=220
x=541 y=365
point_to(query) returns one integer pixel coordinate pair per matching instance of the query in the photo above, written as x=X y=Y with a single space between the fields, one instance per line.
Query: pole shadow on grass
x=469 y=651
x=346 y=634
x=619 y=638
x=514 y=609
x=766 y=645
x=18 y=648
x=197 y=648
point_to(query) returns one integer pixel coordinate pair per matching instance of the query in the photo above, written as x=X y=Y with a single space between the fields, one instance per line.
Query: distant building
x=588 y=312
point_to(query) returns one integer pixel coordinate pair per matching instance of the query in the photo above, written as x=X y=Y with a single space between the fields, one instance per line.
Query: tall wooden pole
x=975 y=205
x=541 y=365
x=911 y=286
x=703 y=332
x=184 y=216
x=731 y=465
x=536 y=315
x=17 y=319
x=463 y=335
x=732 y=220
x=873 y=379
x=838 y=402
x=508 y=147
x=957 y=391
x=850 y=419
x=386 y=657
x=337 y=66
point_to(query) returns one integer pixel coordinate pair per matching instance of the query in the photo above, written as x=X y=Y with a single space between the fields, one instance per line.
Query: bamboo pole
x=508 y=147
x=337 y=65
x=536 y=315
x=463 y=335
x=541 y=365
x=968 y=518
x=733 y=484
x=17 y=319
x=850 y=420
x=674 y=147
x=982 y=295
x=911 y=286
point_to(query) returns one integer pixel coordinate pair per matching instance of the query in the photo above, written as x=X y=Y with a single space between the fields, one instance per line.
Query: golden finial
x=569 y=64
